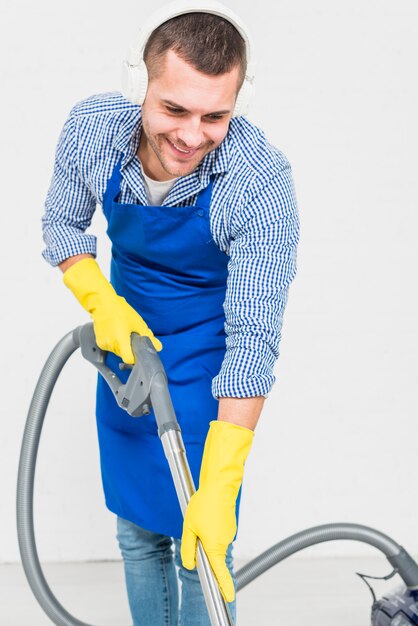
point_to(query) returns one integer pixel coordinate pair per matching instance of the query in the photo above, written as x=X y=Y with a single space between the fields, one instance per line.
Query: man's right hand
x=113 y=318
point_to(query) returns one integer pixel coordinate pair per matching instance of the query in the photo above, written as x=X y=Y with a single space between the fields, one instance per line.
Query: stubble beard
x=159 y=142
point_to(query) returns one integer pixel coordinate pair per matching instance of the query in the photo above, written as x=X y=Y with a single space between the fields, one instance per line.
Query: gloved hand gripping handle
x=135 y=395
x=147 y=387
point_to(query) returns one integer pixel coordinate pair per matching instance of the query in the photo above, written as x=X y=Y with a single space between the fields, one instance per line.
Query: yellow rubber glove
x=113 y=318
x=210 y=514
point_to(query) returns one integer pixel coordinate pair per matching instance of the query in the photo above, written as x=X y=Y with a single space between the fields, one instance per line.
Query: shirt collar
x=127 y=139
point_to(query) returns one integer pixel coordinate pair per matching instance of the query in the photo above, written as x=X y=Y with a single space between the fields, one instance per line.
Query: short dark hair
x=210 y=43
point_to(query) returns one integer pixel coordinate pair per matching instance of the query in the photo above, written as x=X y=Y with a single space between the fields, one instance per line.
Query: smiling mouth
x=182 y=152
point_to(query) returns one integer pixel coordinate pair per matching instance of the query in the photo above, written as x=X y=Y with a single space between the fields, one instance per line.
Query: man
x=202 y=218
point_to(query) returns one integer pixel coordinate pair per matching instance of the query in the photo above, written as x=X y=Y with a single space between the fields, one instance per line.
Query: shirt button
x=200 y=212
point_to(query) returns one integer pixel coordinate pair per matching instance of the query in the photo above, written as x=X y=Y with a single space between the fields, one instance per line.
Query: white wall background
x=337 y=92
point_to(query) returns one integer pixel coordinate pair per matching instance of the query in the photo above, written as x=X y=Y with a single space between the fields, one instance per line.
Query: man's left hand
x=210 y=514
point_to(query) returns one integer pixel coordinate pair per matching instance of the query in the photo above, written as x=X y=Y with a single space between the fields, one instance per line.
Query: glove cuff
x=87 y=282
x=226 y=449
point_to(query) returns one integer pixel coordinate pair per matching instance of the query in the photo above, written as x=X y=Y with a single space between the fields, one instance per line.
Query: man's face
x=185 y=115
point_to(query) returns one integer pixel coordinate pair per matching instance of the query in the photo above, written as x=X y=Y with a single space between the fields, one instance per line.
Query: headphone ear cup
x=242 y=104
x=134 y=82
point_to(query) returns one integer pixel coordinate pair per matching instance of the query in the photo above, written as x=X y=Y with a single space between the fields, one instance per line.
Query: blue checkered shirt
x=253 y=219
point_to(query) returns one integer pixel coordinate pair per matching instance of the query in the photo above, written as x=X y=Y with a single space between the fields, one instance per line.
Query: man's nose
x=190 y=133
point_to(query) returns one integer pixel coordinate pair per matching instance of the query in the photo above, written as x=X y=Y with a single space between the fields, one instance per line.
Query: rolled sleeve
x=69 y=205
x=262 y=265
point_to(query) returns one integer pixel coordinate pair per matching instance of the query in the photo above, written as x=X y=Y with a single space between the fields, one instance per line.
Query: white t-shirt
x=156 y=190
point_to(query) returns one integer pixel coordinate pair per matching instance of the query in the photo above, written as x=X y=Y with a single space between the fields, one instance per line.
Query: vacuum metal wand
x=176 y=456
x=147 y=387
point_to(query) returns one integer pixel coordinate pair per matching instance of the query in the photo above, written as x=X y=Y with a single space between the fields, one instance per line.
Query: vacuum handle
x=147 y=386
x=134 y=395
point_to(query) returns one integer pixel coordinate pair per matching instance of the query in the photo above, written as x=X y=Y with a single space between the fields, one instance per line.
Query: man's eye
x=174 y=110
x=215 y=117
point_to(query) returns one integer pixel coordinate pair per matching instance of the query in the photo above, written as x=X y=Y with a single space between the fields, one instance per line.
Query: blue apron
x=168 y=267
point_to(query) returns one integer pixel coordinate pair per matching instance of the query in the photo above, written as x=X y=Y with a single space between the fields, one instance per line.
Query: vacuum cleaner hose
x=26 y=476
x=397 y=556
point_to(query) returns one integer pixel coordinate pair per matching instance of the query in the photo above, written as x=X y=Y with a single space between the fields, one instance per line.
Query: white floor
x=297 y=592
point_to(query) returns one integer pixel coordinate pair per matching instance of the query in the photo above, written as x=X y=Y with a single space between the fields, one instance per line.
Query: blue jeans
x=151 y=580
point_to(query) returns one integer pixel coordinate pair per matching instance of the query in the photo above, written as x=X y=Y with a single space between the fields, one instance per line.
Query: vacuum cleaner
x=147 y=388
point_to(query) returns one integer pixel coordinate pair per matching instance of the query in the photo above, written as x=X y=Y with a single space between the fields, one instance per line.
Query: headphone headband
x=135 y=75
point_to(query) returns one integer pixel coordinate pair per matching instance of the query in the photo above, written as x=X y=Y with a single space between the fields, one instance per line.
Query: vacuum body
x=397 y=608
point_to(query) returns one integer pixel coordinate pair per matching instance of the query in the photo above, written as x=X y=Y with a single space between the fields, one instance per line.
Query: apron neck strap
x=204 y=197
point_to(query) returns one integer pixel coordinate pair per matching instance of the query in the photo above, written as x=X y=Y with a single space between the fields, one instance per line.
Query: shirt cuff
x=227 y=386
x=58 y=251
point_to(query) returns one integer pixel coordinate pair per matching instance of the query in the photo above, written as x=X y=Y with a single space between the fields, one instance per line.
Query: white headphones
x=135 y=75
